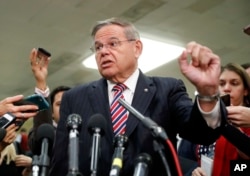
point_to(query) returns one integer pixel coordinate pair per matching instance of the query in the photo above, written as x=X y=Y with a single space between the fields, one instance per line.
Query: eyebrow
x=111 y=38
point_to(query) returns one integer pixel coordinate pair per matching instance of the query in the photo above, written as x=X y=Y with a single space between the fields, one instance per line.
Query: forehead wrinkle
x=107 y=32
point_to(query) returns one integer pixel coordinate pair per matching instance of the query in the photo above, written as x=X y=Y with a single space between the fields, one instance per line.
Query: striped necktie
x=118 y=112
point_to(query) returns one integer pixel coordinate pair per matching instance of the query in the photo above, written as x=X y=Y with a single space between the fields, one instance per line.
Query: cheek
x=238 y=94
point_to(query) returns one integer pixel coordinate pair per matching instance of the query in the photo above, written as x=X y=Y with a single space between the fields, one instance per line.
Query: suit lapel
x=144 y=92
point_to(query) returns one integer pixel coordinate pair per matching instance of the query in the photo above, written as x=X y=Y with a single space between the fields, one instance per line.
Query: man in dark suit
x=117 y=48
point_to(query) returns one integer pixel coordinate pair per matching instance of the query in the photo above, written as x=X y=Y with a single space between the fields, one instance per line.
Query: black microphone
x=2 y=133
x=97 y=128
x=142 y=164
x=147 y=122
x=120 y=143
x=74 y=122
x=45 y=137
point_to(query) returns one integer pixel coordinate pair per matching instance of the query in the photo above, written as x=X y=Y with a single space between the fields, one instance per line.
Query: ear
x=138 y=48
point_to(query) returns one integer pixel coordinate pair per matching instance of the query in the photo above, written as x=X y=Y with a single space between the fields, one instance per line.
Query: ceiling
x=63 y=28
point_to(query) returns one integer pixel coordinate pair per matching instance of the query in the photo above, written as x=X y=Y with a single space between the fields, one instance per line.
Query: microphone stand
x=142 y=164
x=44 y=158
x=158 y=147
x=73 y=124
x=156 y=130
x=95 y=153
x=35 y=165
x=120 y=143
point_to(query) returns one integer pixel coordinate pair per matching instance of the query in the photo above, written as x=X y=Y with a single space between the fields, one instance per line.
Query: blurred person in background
x=233 y=81
x=51 y=116
x=246 y=66
x=12 y=164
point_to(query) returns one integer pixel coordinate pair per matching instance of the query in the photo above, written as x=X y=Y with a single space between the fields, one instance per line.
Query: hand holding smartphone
x=34 y=99
x=6 y=120
x=226 y=99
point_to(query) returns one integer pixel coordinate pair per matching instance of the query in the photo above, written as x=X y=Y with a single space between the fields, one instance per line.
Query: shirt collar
x=130 y=82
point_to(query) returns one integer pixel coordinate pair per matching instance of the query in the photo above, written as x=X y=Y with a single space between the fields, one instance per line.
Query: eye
x=221 y=83
x=113 y=44
x=235 y=83
x=98 y=47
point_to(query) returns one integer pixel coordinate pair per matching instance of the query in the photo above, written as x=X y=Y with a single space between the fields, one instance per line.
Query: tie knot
x=119 y=87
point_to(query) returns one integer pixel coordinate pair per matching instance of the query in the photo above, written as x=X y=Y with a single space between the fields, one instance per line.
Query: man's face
x=116 y=57
x=56 y=106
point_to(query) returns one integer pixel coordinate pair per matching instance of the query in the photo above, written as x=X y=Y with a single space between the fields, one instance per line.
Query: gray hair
x=129 y=29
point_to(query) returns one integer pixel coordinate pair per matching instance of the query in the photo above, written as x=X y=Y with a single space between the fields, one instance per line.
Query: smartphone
x=226 y=99
x=34 y=99
x=42 y=55
x=247 y=29
x=6 y=120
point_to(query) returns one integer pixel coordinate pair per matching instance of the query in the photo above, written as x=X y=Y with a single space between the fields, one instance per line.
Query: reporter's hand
x=23 y=160
x=239 y=115
x=198 y=172
x=39 y=69
x=9 y=137
x=7 y=105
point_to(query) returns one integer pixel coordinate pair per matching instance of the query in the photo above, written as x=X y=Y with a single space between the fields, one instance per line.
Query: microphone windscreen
x=45 y=131
x=74 y=121
x=2 y=133
x=97 y=121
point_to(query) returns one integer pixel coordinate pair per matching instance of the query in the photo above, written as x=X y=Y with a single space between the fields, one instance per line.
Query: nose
x=226 y=88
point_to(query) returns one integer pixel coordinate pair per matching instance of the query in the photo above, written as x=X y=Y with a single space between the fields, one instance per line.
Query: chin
x=107 y=74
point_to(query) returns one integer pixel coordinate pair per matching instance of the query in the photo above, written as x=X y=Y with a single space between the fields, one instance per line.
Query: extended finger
x=33 y=54
x=12 y=99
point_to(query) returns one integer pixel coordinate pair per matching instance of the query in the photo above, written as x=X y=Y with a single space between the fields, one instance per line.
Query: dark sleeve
x=237 y=138
x=187 y=149
x=41 y=118
x=197 y=124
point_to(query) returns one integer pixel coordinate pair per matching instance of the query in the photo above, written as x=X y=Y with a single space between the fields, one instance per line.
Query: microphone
x=142 y=163
x=147 y=122
x=2 y=133
x=45 y=137
x=120 y=143
x=96 y=127
x=73 y=125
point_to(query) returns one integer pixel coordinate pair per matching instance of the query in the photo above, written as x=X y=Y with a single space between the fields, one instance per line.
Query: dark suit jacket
x=165 y=100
